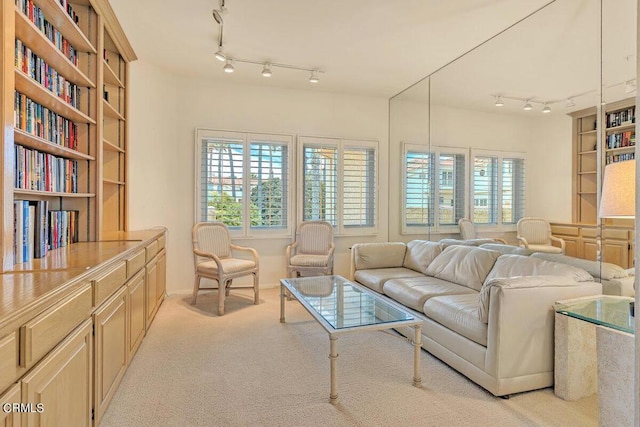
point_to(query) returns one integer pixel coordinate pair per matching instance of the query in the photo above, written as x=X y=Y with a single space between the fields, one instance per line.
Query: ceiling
x=379 y=48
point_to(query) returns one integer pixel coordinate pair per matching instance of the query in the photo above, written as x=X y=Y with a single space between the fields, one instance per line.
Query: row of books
x=38 y=229
x=35 y=15
x=67 y=6
x=39 y=121
x=621 y=117
x=619 y=140
x=619 y=157
x=39 y=70
x=44 y=172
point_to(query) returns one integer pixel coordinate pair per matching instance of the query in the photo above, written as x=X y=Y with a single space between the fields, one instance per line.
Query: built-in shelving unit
x=69 y=124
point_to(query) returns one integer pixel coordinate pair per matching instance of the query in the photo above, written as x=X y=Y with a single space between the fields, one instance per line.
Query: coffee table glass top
x=343 y=304
x=605 y=310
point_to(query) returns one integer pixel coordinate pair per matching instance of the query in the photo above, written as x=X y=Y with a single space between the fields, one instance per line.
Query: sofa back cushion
x=518 y=265
x=507 y=249
x=420 y=253
x=379 y=255
x=464 y=265
x=602 y=270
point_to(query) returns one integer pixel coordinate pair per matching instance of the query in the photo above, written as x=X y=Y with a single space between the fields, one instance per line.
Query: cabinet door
x=62 y=382
x=616 y=252
x=10 y=418
x=111 y=349
x=572 y=248
x=151 y=286
x=161 y=274
x=590 y=249
x=135 y=292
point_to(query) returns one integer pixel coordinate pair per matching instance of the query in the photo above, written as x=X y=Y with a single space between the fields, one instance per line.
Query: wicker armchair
x=468 y=232
x=311 y=254
x=213 y=259
x=535 y=235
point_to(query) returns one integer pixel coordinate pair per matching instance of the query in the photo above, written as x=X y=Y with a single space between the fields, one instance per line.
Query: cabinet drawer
x=615 y=234
x=45 y=331
x=162 y=242
x=105 y=285
x=564 y=230
x=589 y=232
x=151 y=250
x=135 y=263
x=8 y=359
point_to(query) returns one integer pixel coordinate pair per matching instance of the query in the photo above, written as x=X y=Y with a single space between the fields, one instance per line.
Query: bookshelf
x=64 y=72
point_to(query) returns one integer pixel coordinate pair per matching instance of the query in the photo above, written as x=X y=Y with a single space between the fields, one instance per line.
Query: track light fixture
x=527 y=106
x=629 y=86
x=546 y=108
x=570 y=103
x=499 y=102
x=228 y=67
x=220 y=55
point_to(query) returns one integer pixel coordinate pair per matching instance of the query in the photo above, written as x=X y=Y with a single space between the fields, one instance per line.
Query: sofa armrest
x=520 y=335
x=365 y=256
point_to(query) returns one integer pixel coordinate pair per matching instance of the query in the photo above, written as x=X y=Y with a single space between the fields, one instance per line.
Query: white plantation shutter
x=419 y=193
x=359 y=182
x=451 y=188
x=269 y=184
x=221 y=175
x=485 y=189
x=320 y=183
x=512 y=190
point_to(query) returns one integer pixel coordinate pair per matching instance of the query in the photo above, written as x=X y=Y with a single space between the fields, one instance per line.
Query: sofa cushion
x=464 y=265
x=375 y=278
x=602 y=270
x=517 y=265
x=460 y=314
x=414 y=291
x=420 y=253
x=507 y=249
x=379 y=255
x=468 y=242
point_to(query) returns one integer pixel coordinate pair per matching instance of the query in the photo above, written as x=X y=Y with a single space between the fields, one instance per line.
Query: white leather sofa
x=487 y=315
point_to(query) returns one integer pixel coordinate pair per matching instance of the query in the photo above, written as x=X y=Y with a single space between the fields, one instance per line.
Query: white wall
x=197 y=103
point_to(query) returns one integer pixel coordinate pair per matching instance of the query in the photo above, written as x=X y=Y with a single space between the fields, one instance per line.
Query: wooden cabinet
x=136 y=312
x=73 y=114
x=62 y=383
x=11 y=418
x=161 y=284
x=111 y=349
x=151 y=286
x=582 y=242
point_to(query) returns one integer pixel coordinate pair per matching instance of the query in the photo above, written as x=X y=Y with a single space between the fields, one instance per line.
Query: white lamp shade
x=619 y=190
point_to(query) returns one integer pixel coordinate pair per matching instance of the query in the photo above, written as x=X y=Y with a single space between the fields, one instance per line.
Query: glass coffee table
x=341 y=307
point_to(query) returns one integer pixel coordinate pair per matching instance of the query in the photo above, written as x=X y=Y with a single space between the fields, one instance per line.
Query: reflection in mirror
x=409 y=158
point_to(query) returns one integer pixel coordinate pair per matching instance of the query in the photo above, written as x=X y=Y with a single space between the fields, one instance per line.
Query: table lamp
x=619 y=194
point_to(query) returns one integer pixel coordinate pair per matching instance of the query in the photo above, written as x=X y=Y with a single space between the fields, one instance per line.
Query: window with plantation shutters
x=485 y=190
x=451 y=187
x=242 y=180
x=418 y=187
x=339 y=183
x=512 y=190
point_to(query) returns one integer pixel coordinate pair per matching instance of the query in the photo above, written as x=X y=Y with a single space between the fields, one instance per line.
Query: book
x=18 y=230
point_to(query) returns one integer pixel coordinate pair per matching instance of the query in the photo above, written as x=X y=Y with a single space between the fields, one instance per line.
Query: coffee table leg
x=333 y=356
x=417 y=343
x=282 y=292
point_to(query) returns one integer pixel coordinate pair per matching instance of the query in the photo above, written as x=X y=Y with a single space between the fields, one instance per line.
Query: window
x=421 y=189
x=498 y=188
x=339 y=183
x=242 y=180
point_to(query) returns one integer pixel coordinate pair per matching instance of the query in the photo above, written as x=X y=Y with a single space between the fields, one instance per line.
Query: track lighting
x=546 y=109
x=266 y=71
x=629 y=86
x=228 y=67
x=527 y=105
x=314 y=78
x=570 y=103
x=499 y=102
x=220 y=56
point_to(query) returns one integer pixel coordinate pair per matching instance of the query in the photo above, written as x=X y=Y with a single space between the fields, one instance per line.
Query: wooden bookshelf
x=97 y=144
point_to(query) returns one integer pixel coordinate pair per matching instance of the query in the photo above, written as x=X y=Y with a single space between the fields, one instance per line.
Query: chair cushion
x=458 y=313
x=375 y=278
x=420 y=253
x=545 y=248
x=464 y=265
x=414 y=291
x=309 y=260
x=229 y=266
x=517 y=265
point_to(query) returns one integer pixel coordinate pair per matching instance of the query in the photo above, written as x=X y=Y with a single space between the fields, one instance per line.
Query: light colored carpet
x=246 y=369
